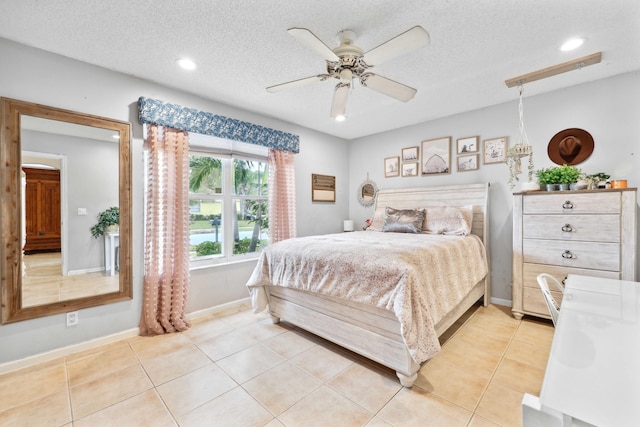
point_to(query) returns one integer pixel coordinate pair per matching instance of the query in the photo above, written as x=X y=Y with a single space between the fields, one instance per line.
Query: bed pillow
x=403 y=220
x=378 y=220
x=452 y=220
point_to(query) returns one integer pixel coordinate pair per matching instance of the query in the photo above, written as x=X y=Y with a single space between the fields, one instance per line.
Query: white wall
x=608 y=109
x=36 y=76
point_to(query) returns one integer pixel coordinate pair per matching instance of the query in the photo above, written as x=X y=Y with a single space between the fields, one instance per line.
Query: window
x=228 y=197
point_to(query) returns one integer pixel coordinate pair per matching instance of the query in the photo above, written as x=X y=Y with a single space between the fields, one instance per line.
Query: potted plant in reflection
x=108 y=222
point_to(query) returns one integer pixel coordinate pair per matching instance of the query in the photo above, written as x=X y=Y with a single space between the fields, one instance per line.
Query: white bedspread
x=419 y=277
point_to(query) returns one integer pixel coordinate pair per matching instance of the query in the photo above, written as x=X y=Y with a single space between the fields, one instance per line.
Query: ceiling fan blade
x=310 y=40
x=399 y=45
x=388 y=87
x=297 y=83
x=340 y=96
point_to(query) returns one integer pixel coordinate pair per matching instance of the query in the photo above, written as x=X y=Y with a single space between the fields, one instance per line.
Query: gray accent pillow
x=403 y=220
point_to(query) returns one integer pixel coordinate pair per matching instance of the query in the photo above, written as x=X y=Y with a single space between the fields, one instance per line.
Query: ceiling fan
x=348 y=62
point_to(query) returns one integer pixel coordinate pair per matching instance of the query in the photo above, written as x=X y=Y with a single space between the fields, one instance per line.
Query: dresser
x=585 y=232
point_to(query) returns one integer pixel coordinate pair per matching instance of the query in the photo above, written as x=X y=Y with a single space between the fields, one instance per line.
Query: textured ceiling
x=242 y=47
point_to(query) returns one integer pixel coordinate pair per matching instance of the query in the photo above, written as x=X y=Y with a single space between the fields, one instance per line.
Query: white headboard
x=451 y=195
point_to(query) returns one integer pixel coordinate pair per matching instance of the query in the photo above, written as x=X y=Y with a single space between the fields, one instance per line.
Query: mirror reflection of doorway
x=60 y=262
x=44 y=276
x=42 y=210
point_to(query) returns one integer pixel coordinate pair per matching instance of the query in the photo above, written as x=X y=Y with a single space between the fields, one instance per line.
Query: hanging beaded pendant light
x=520 y=150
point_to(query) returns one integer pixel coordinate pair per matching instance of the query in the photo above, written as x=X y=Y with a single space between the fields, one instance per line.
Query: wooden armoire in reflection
x=42 y=210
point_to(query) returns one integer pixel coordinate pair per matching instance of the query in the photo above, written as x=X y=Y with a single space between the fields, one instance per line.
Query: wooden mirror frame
x=10 y=215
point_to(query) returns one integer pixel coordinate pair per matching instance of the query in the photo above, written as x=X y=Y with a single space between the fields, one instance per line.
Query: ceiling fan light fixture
x=339 y=104
x=572 y=44
x=346 y=75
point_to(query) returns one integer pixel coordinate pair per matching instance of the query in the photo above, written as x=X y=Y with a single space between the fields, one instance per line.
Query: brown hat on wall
x=570 y=146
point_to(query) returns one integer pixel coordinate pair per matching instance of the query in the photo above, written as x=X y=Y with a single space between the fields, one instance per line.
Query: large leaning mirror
x=367 y=192
x=60 y=170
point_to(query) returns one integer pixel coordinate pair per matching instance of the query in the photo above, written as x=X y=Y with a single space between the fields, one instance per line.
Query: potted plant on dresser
x=549 y=177
x=597 y=180
x=568 y=175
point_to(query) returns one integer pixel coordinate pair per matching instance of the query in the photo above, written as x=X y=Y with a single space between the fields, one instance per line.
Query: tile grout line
x=68 y=381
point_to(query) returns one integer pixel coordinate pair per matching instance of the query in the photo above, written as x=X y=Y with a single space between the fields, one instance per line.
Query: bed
x=415 y=301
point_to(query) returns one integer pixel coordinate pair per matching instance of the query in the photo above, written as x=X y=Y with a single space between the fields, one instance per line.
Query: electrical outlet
x=82 y=211
x=72 y=318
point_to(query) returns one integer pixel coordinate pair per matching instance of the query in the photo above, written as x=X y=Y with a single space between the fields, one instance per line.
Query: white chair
x=552 y=304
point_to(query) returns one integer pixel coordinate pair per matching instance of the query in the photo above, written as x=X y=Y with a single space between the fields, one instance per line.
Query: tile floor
x=240 y=370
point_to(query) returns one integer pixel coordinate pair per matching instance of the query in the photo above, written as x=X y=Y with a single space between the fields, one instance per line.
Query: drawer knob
x=567 y=205
x=568 y=255
x=567 y=228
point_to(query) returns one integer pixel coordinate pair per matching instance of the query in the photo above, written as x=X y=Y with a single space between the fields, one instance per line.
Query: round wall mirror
x=367 y=193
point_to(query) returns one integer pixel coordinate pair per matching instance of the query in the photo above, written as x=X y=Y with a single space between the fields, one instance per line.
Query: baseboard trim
x=15 y=365
x=66 y=351
x=501 y=301
x=228 y=307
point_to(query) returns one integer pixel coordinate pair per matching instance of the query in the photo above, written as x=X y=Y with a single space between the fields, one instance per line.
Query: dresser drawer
x=530 y=273
x=533 y=301
x=595 y=228
x=595 y=256
x=571 y=203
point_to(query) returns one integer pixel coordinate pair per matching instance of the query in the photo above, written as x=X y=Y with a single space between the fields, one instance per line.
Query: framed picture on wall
x=495 y=150
x=410 y=169
x=436 y=156
x=323 y=188
x=410 y=154
x=467 y=145
x=467 y=162
x=391 y=166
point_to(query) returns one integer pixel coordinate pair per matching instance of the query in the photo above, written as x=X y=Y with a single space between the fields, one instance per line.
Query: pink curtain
x=166 y=254
x=282 y=195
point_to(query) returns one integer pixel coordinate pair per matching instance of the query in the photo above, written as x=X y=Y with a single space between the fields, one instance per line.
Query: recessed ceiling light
x=572 y=44
x=187 y=63
x=341 y=118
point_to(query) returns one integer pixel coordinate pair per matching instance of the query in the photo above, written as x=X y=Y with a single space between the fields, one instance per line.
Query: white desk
x=593 y=372
x=111 y=243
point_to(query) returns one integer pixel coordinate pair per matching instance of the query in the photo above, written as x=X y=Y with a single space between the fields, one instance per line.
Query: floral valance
x=161 y=113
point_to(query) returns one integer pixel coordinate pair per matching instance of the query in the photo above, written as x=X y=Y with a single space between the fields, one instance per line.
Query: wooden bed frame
x=374 y=332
